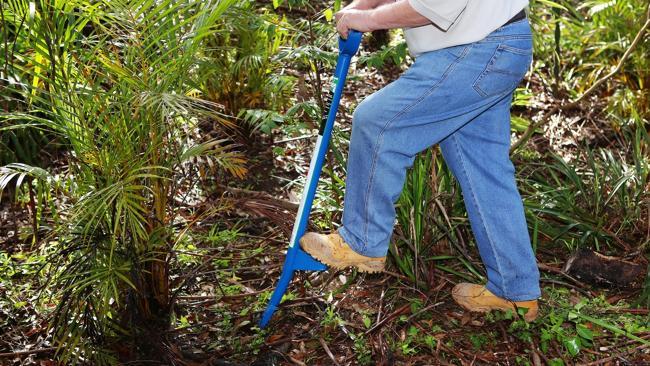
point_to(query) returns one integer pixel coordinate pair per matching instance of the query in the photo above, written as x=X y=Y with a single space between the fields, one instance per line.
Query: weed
x=217 y=237
x=331 y=319
x=479 y=341
x=362 y=351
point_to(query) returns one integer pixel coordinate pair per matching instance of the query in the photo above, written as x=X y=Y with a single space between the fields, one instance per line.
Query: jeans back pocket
x=504 y=71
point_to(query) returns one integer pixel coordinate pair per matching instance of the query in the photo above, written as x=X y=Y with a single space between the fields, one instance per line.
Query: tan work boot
x=335 y=252
x=477 y=298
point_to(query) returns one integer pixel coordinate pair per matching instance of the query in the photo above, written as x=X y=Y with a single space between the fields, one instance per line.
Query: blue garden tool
x=296 y=258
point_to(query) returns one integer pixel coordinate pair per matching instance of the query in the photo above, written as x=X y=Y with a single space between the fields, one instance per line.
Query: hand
x=359 y=20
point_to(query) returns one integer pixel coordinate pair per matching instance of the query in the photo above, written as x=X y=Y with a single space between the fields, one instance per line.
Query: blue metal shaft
x=297 y=259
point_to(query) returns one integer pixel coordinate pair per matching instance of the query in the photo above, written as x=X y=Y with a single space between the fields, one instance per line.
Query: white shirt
x=457 y=22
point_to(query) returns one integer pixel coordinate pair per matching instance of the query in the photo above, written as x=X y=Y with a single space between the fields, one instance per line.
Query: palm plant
x=16 y=145
x=242 y=66
x=116 y=82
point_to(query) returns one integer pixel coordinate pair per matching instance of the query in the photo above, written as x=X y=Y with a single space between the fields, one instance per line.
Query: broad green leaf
x=584 y=332
x=366 y=321
x=329 y=14
x=572 y=345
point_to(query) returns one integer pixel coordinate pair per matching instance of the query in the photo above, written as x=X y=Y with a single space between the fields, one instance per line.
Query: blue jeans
x=458 y=97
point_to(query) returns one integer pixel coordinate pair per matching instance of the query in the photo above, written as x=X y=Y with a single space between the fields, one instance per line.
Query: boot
x=335 y=252
x=477 y=298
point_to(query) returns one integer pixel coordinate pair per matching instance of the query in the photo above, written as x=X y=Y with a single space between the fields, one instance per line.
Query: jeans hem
x=351 y=242
x=521 y=297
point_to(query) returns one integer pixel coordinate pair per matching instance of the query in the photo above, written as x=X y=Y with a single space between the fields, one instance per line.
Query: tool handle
x=296 y=259
x=347 y=49
x=350 y=45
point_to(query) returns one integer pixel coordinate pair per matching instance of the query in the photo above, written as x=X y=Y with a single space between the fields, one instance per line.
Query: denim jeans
x=458 y=97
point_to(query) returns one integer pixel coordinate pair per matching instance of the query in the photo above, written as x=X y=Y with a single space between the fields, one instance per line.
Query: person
x=469 y=56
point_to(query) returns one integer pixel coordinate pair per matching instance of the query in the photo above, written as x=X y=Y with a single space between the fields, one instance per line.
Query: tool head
x=350 y=46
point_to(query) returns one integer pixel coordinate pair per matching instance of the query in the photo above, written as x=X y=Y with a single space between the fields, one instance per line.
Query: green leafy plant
x=578 y=326
x=361 y=349
x=593 y=203
x=115 y=81
x=242 y=66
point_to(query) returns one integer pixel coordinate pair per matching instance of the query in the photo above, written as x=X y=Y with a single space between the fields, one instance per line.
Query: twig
x=327 y=350
x=562 y=283
x=269 y=238
x=397 y=312
x=539 y=353
x=397 y=275
x=426 y=308
x=297 y=361
x=381 y=304
x=27 y=352
x=301 y=301
x=245 y=192
x=533 y=126
x=451 y=351
x=294 y=139
x=624 y=353
x=547 y=268
x=303 y=137
x=222 y=297
x=629 y=311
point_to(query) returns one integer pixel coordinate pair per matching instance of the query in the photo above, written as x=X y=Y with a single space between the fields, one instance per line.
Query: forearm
x=367 y=4
x=398 y=14
x=382 y=2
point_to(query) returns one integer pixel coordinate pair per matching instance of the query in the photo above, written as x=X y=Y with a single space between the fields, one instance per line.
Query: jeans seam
x=519 y=51
x=498 y=38
x=480 y=213
x=379 y=139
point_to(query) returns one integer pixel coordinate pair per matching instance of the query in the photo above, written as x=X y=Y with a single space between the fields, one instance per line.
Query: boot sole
x=368 y=267
x=487 y=309
x=371 y=266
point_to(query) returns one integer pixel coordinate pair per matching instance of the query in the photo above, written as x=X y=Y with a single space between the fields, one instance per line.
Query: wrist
x=375 y=17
